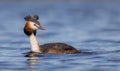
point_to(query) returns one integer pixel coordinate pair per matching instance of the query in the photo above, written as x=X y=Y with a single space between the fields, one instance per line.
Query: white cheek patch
x=33 y=26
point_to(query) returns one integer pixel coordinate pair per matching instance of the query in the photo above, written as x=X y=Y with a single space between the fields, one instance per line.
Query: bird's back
x=58 y=48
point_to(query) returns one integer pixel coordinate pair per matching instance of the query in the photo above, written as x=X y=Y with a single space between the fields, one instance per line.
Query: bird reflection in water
x=33 y=60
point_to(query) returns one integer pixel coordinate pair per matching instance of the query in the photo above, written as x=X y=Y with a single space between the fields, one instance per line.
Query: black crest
x=35 y=17
x=28 y=18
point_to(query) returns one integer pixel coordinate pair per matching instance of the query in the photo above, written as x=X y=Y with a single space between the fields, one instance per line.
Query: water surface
x=90 y=27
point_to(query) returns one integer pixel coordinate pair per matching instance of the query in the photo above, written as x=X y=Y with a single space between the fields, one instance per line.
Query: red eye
x=34 y=24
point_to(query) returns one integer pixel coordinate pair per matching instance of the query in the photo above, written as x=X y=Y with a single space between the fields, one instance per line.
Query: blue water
x=93 y=28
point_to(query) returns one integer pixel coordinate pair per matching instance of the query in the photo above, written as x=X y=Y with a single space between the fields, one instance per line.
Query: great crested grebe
x=31 y=26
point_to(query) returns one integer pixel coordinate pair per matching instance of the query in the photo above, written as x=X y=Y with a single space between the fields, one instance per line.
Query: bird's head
x=32 y=24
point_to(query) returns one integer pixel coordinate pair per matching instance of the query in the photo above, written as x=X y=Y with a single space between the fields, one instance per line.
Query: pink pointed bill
x=40 y=27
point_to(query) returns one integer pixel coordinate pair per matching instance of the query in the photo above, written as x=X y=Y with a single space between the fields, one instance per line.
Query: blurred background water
x=92 y=27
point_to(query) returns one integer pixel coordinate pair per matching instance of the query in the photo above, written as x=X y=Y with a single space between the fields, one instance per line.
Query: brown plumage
x=58 y=48
x=30 y=29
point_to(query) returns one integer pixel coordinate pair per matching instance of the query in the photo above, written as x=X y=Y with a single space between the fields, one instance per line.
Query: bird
x=30 y=29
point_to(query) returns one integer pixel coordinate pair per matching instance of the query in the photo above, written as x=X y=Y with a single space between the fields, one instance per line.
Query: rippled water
x=93 y=28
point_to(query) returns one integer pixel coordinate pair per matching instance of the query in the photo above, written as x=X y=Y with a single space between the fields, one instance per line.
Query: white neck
x=34 y=44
